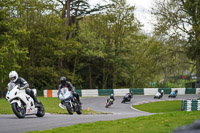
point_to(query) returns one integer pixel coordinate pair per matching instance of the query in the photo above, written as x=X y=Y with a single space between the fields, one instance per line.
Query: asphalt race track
x=11 y=124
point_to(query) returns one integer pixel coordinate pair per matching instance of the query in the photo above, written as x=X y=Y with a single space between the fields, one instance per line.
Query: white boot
x=62 y=106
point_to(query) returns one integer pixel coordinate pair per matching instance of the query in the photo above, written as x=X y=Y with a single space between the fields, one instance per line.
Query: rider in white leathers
x=23 y=84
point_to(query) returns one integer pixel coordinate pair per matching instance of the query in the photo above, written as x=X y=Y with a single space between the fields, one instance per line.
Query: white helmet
x=13 y=76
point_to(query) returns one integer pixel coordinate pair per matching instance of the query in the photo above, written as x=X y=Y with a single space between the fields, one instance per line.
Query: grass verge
x=50 y=105
x=159 y=123
x=160 y=107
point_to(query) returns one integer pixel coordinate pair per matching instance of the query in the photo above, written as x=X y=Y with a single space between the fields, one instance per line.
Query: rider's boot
x=77 y=97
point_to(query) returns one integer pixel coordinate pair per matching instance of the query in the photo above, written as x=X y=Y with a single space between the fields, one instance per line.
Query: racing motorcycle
x=109 y=102
x=159 y=95
x=127 y=97
x=22 y=104
x=69 y=102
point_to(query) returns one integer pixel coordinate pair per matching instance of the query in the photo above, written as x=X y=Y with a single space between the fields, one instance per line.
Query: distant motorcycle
x=127 y=97
x=109 y=102
x=159 y=95
x=22 y=104
x=173 y=94
x=69 y=102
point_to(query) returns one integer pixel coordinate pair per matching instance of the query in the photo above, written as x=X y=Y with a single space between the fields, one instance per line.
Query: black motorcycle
x=69 y=101
x=127 y=97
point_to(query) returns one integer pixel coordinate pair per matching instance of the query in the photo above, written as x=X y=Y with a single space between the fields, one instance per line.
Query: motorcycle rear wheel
x=19 y=113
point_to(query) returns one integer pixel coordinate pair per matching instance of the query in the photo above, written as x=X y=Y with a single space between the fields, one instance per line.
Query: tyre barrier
x=191 y=105
x=122 y=92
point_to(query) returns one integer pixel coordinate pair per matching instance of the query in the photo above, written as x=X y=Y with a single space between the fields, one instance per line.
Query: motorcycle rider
x=23 y=84
x=127 y=97
x=111 y=97
x=65 y=83
x=130 y=95
x=162 y=92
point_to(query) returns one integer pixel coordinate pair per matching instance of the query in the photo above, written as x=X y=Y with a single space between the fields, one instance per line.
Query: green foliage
x=102 y=50
x=11 y=54
x=178 y=22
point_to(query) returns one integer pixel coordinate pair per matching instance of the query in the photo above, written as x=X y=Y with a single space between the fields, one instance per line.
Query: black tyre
x=41 y=111
x=79 y=110
x=20 y=112
x=69 y=108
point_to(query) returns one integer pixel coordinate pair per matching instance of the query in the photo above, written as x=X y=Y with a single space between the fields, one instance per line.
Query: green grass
x=50 y=105
x=159 y=123
x=5 y=107
x=160 y=107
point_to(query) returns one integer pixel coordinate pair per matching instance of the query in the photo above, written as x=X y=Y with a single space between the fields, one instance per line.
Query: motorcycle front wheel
x=69 y=108
x=79 y=110
x=20 y=112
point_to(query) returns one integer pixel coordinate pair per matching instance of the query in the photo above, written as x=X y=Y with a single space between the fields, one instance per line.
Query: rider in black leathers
x=65 y=83
x=23 y=84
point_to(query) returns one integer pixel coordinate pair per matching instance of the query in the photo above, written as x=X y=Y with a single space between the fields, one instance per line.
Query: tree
x=121 y=23
x=92 y=46
x=179 y=20
x=104 y=42
x=11 y=54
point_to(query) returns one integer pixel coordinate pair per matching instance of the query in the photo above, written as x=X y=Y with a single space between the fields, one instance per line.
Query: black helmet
x=63 y=80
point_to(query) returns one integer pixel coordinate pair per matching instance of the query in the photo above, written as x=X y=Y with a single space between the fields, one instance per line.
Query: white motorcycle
x=69 y=102
x=22 y=104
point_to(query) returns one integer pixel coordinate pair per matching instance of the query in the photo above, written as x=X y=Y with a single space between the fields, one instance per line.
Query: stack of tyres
x=191 y=105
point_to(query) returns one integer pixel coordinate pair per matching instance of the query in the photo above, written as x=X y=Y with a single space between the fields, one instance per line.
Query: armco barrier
x=190 y=91
x=137 y=91
x=166 y=90
x=49 y=93
x=79 y=92
x=54 y=93
x=122 y=92
x=92 y=92
x=105 y=92
x=197 y=90
x=150 y=91
x=181 y=91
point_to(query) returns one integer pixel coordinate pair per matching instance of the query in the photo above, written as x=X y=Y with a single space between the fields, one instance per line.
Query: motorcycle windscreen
x=64 y=94
x=11 y=86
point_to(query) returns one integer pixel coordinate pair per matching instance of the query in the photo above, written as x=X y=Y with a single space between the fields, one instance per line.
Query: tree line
x=94 y=47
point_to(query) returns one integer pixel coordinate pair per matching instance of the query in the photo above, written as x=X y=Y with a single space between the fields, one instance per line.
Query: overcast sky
x=142 y=11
